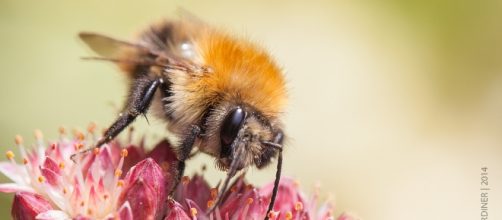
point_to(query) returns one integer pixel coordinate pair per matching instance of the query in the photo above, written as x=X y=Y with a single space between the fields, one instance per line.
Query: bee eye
x=231 y=125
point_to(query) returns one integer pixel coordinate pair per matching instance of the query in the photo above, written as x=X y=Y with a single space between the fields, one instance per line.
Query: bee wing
x=110 y=49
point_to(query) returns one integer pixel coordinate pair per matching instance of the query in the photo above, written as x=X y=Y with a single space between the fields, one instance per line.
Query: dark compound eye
x=231 y=126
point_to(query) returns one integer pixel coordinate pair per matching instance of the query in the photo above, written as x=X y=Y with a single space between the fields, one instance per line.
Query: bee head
x=239 y=136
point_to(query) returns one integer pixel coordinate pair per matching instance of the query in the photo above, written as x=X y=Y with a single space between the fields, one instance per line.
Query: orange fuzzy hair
x=242 y=71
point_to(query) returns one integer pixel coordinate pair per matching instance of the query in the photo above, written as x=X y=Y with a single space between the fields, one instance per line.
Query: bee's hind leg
x=139 y=99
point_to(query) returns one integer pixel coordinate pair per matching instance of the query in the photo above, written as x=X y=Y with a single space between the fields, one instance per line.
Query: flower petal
x=288 y=196
x=50 y=164
x=13 y=171
x=345 y=216
x=176 y=212
x=52 y=215
x=197 y=189
x=51 y=177
x=13 y=187
x=142 y=198
x=28 y=205
x=163 y=152
x=199 y=213
x=125 y=212
x=134 y=155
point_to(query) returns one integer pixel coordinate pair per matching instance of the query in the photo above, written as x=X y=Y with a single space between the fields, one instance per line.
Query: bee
x=217 y=92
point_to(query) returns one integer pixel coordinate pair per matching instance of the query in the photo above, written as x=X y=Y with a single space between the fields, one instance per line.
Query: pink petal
x=115 y=150
x=164 y=155
x=105 y=159
x=176 y=212
x=134 y=155
x=92 y=201
x=287 y=195
x=345 y=216
x=163 y=152
x=80 y=217
x=50 y=164
x=325 y=211
x=192 y=205
x=76 y=195
x=142 y=198
x=257 y=205
x=234 y=197
x=12 y=171
x=125 y=212
x=13 y=187
x=54 y=151
x=101 y=186
x=52 y=215
x=28 y=205
x=51 y=177
x=197 y=189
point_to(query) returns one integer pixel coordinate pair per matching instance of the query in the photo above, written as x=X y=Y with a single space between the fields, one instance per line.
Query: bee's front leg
x=140 y=97
x=185 y=148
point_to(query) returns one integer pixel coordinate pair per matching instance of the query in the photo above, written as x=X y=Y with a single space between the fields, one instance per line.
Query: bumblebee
x=217 y=92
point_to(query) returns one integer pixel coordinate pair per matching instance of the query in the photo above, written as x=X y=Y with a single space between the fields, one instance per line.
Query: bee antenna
x=276 y=184
x=277 y=144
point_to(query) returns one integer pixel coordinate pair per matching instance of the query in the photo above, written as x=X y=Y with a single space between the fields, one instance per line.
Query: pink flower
x=48 y=185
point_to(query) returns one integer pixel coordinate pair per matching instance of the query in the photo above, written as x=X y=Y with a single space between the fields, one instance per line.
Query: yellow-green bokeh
x=394 y=105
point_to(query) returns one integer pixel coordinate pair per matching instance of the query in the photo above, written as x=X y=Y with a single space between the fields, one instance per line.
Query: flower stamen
x=272 y=214
x=18 y=139
x=10 y=155
x=95 y=151
x=289 y=215
x=124 y=153
x=118 y=173
x=193 y=212
x=165 y=166
x=250 y=201
x=91 y=128
x=78 y=146
x=210 y=203
x=298 y=206
x=78 y=135
x=185 y=180
x=214 y=193
x=39 y=135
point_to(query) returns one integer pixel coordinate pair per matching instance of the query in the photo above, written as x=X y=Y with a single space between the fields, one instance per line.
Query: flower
x=127 y=182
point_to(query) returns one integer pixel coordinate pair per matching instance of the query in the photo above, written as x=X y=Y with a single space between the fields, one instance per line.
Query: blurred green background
x=394 y=105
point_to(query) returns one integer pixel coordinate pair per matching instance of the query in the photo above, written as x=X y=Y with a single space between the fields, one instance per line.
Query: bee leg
x=184 y=153
x=140 y=98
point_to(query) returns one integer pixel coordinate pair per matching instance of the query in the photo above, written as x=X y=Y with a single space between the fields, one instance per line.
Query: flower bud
x=145 y=190
x=28 y=205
